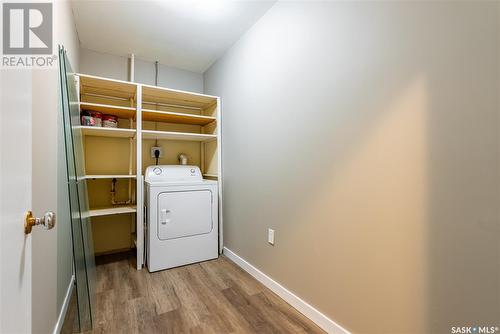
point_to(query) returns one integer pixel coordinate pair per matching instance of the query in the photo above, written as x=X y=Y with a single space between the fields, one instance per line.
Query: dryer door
x=184 y=214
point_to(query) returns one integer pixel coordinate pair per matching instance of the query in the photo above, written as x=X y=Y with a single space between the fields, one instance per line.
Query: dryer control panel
x=173 y=173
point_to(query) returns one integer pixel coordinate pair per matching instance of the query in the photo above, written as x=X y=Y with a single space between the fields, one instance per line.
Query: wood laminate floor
x=210 y=297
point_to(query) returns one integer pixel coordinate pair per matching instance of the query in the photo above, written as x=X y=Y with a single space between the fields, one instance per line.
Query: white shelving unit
x=176 y=117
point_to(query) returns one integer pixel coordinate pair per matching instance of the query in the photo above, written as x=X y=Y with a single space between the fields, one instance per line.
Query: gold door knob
x=48 y=221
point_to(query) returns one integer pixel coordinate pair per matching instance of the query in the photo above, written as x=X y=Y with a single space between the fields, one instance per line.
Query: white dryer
x=181 y=215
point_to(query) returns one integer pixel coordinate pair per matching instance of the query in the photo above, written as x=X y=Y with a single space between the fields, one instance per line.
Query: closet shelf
x=210 y=175
x=150 y=134
x=115 y=210
x=120 y=112
x=107 y=132
x=174 y=117
x=154 y=94
x=120 y=176
x=92 y=85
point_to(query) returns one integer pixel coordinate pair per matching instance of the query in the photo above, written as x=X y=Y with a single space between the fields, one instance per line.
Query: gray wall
x=111 y=66
x=366 y=135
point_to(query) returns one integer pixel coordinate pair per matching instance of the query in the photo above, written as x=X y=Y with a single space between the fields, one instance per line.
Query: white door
x=184 y=214
x=15 y=199
x=27 y=182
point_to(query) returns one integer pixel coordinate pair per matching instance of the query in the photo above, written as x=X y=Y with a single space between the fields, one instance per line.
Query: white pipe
x=131 y=141
x=132 y=67
x=130 y=162
x=131 y=147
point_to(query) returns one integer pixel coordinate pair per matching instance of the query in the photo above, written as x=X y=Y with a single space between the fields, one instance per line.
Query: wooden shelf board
x=121 y=176
x=176 y=97
x=174 y=117
x=90 y=84
x=120 y=112
x=150 y=134
x=116 y=210
x=107 y=132
x=210 y=175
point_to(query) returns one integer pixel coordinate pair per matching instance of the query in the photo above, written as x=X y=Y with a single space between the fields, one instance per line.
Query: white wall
x=367 y=135
x=116 y=67
x=52 y=250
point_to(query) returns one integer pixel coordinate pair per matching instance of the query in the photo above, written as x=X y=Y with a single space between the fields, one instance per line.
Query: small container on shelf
x=97 y=116
x=86 y=118
x=109 y=121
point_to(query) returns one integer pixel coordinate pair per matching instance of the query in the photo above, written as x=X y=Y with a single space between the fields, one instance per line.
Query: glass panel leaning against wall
x=83 y=253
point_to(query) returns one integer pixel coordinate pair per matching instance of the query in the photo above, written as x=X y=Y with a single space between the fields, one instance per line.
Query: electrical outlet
x=153 y=149
x=270 y=236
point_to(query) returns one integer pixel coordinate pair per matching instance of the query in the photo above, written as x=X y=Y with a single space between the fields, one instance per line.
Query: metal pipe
x=172 y=105
x=113 y=195
x=157 y=70
x=107 y=96
x=131 y=147
x=145 y=102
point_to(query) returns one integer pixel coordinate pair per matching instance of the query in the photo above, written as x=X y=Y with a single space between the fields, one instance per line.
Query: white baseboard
x=64 y=308
x=309 y=311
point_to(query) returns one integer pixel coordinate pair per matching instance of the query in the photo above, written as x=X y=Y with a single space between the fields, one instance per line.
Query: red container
x=109 y=121
x=97 y=116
